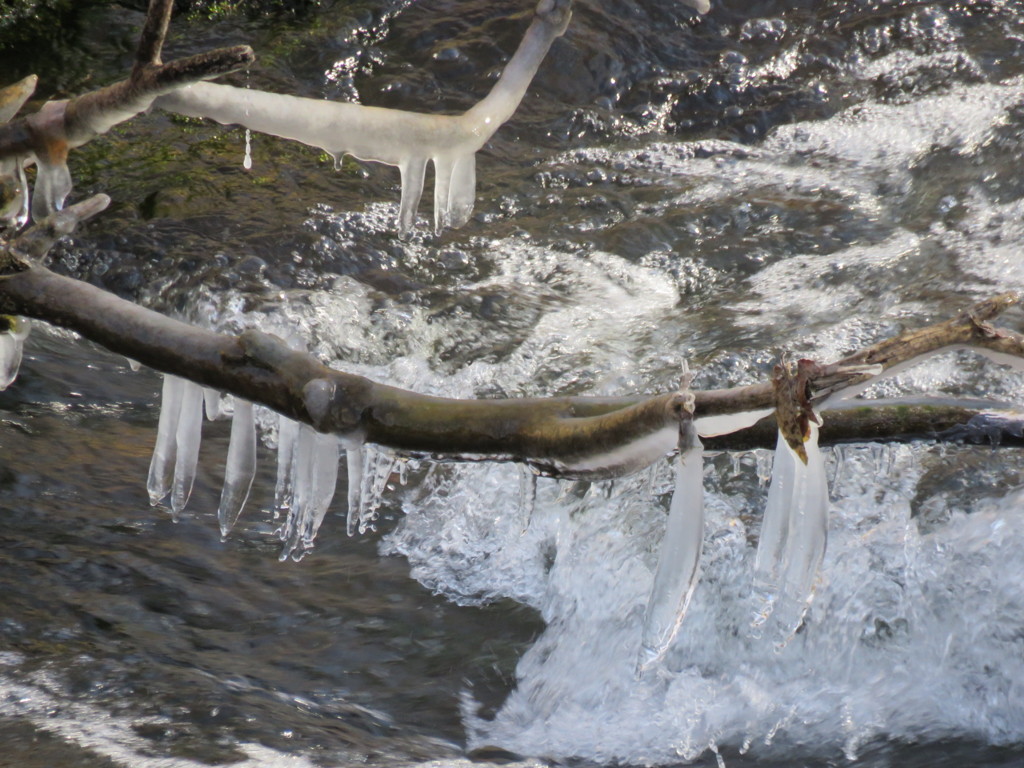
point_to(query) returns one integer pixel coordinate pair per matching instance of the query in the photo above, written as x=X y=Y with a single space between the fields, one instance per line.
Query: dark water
x=811 y=175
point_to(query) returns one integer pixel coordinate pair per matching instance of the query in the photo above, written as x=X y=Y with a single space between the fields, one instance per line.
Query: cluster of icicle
x=12 y=341
x=307 y=466
x=394 y=137
x=789 y=553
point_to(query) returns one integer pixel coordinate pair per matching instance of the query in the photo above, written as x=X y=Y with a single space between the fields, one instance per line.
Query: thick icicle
x=394 y=137
x=354 y=461
x=12 y=342
x=302 y=491
x=793 y=538
x=211 y=403
x=326 y=452
x=240 y=467
x=287 y=435
x=679 y=557
x=161 y=466
x=315 y=475
x=187 y=439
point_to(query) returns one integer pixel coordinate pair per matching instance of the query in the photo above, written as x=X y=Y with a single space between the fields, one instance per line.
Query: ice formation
x=314 y=475
x=377 y=470
x=793 y=535
x=161 y=467
x=679 y=557
x=354 y=460
x=211 y=403
x=176 y=453
x=407 y=140
x=187 y=437
x=12 y=341
x=287 y=435
x=14 y=208
x=240 y=467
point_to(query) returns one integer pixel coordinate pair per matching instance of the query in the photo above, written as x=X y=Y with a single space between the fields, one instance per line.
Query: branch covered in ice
x=407 y=140
x=45 y=137
x=560 y=436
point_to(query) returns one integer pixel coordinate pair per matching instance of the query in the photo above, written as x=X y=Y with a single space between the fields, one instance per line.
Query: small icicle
x=679 y=558
x=354 y=462
x=162 y=464
x=377 y=469
x=211 y=403
x=527 y=496
x=240 y=467
x=12 y=342
x=135 y=365
x=287 y=435
x=187 y=439
x=247 y=160
x=326 y=452
x=302 y=467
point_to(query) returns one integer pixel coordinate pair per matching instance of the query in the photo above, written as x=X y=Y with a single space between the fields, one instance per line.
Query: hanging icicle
x=287 y=437
x=161 y=467
x=240 y=467
x=795 y=523
x=187 y=439
x=354 y=462
x=679 y=557
x=313 y=480
x=13 y=332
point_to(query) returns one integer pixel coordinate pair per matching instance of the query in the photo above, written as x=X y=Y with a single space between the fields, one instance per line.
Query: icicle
x=326 y=452
x=247 y=160
x=354 y=461
x=134 y=365
x=527 y=496
x=302 y=471
x=162 y=464
x=187 y=439
x=14 y=212
x=240 y=467
x=377 y=469
x=679 y=557
x=315 y=475
x=53 y=183
x=793 y=538
x=287 y=435
x=211 y=403
x=12 y=342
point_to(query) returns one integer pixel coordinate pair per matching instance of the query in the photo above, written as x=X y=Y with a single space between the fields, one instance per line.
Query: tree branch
x=59 y=126
x=565 y=436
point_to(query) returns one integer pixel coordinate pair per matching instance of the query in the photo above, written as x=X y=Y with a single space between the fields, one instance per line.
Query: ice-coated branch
x=561 y=436
x=395 y=137
x=47 y=136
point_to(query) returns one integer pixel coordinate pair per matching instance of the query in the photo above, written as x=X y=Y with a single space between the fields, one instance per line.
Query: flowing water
x=776 y=175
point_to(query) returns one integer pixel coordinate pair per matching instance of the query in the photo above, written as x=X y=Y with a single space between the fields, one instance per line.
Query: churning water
x=778 y=175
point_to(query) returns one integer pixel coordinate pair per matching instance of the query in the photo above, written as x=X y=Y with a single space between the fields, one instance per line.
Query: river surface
x=809 y=176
